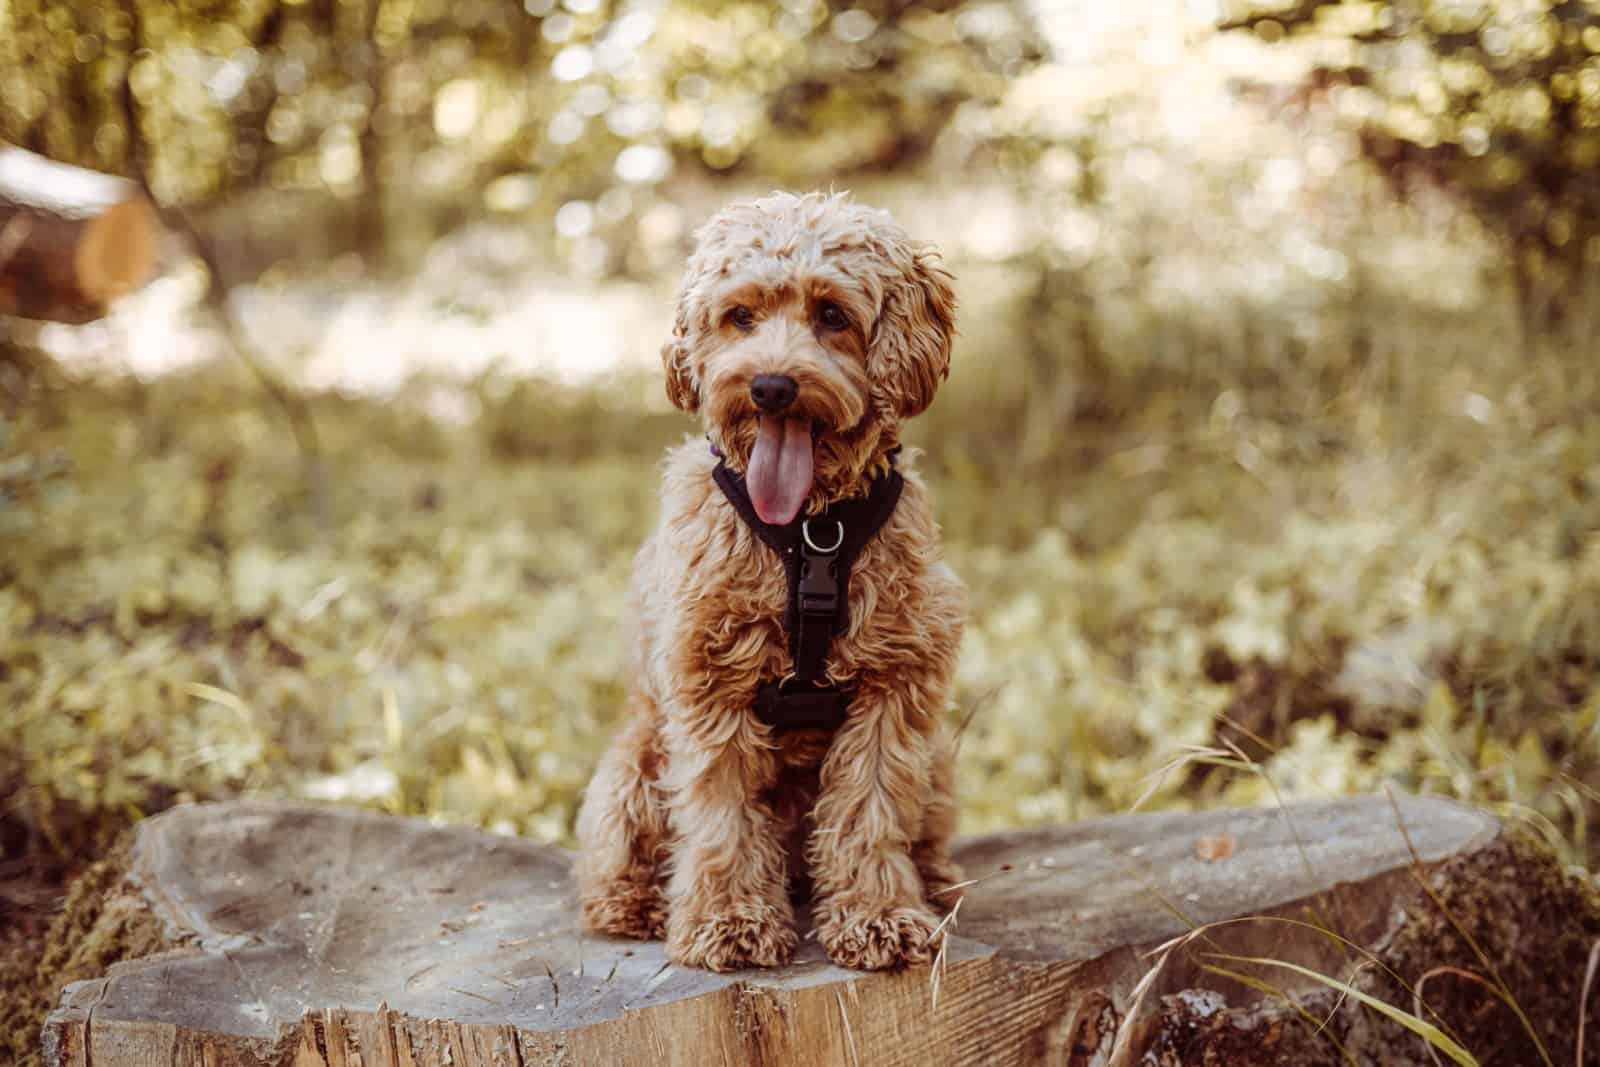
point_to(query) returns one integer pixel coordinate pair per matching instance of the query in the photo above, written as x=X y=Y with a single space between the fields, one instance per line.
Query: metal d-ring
x=805 y=532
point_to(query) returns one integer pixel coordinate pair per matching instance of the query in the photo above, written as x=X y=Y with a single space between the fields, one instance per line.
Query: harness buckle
x=803 y=706
x=817 y=592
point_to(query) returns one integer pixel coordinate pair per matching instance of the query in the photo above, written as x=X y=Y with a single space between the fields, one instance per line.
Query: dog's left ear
x=910 y=352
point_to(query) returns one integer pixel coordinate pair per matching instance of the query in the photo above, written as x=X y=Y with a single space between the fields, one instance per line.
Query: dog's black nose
x=773 y=392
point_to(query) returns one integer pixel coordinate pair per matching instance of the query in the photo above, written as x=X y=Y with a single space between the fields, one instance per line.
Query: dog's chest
x=751 y=590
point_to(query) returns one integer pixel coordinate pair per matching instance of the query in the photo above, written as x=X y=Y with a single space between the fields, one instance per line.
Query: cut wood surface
x=71 y=240
x=329 y=937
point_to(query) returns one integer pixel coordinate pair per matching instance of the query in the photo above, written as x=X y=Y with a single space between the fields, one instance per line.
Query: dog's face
x=808 y=328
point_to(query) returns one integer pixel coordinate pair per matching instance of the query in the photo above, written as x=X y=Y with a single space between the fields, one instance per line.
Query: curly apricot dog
x=796 y=626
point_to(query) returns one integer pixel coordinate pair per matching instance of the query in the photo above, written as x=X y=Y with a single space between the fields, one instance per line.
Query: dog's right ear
x=681 y=388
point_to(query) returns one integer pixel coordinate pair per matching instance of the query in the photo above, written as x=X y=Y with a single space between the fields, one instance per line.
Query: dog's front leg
x=870 y=910
x=728 y=901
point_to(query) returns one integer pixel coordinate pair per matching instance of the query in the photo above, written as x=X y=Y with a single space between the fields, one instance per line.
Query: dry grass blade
x=1416 y=994
x=1581 y=786
x=942 y=932
x=1234 y=724
x=1583 y=998
x=1535 y=820
x=1271 y=990
x=1233 y=757
x=979 y=702
x=1277 y=796
x=1477 y=950
x=1369 y=958
x=1337 y=1004
x=1195 y=754
x=1294 y=832
x=1434 y=1036
x=849 y=1035
x=1122 y=1046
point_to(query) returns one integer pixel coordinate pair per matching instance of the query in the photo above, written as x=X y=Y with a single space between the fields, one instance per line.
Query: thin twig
x=175 y=218
x=1583 y=997
x=1002 y=869
x=978 y=703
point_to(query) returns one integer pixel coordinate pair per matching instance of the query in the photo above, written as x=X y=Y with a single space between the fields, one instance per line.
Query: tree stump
x=301 y=936
x=71 y=240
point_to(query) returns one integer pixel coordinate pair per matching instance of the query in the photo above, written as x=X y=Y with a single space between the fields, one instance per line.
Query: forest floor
x=1217 y=599
x=428 y=618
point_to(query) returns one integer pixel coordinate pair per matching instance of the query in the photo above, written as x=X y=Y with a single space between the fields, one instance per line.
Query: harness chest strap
x=817 y=553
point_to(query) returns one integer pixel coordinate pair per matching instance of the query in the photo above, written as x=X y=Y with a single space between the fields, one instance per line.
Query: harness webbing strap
x=802 y=707
x=817 y=553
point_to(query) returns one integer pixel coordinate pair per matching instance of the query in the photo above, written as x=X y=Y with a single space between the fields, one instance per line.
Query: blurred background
x=1268 y=453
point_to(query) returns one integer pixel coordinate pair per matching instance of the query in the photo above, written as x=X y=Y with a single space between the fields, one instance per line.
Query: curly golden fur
x=701 y=824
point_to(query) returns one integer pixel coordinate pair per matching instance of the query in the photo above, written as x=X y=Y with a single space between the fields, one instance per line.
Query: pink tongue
x=779 y=477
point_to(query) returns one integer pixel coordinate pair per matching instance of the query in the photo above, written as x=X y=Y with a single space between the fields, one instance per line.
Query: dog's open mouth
x=779 y=473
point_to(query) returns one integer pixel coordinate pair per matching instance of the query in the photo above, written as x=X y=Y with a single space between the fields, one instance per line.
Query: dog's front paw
x=626 y=909
x=878 y=940
x=727 y=942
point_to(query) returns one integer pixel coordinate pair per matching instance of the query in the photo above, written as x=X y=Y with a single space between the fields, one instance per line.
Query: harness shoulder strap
x=817 y=553
x=733 y=487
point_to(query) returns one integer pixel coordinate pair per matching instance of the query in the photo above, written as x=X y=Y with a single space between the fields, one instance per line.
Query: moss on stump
x=105 y=920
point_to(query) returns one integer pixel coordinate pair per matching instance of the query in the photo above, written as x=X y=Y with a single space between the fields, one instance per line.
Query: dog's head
x=808 y=328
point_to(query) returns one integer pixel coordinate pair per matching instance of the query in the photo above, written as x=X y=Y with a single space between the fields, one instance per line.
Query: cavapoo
x=795 y=625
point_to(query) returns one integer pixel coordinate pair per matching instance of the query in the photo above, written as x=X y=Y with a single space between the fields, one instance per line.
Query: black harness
x=817 y=552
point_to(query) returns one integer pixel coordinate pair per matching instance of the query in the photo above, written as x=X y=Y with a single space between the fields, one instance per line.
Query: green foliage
x=236 y=644
x=398 y=119
x=1498 y=102
x=1387 y=590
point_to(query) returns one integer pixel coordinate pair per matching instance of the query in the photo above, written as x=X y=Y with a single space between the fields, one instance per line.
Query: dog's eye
x=832 y=317
x=742 y=317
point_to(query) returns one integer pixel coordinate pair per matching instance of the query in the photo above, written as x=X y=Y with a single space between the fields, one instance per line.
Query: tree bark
x=297 y=936
x=71 y=240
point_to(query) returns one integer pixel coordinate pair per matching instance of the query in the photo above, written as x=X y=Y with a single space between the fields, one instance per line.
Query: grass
x=1433 y=1035
x=1365 y=586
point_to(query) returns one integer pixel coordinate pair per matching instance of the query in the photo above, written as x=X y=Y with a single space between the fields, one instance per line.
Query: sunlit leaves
x=1494 y=101
x=410 y=110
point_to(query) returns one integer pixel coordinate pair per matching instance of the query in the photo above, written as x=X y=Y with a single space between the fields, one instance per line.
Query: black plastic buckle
x=819 y=585
x=818 y=588
x=802 y=706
